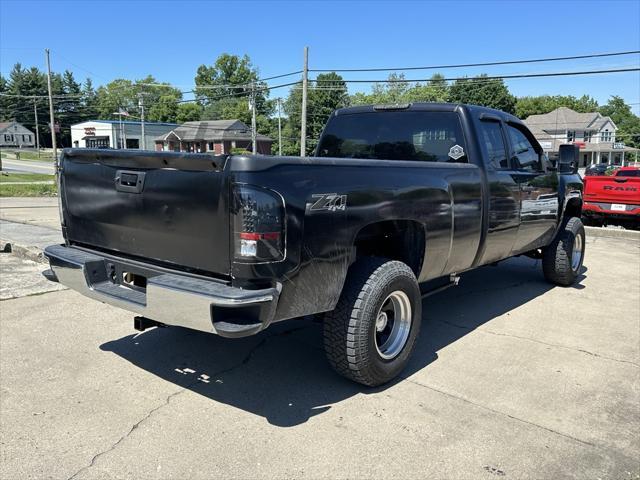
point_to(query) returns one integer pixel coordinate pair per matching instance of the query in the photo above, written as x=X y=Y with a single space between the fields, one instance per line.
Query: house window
x=606 y=135
x=210 y=146
x=8 y=137
x=133 y=143
x=587 y=136
x=571 y=135
x=26 y=138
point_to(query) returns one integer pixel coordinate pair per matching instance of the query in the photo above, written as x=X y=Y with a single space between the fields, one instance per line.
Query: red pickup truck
x=613 y=199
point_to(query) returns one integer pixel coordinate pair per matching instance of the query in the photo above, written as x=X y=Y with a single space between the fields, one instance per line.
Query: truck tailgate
x=162 y=207
x=610 y=189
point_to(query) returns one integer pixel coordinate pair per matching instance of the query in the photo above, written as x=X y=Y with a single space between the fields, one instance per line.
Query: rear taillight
x=258 y=224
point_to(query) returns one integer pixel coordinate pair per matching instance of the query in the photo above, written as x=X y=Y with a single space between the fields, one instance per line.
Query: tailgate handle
x=130 y=182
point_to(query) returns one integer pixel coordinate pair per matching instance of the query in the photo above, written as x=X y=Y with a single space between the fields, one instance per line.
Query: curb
x=612 y=233
x=28 y=253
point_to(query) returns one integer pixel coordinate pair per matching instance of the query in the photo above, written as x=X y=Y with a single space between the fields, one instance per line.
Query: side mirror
x=568 y=158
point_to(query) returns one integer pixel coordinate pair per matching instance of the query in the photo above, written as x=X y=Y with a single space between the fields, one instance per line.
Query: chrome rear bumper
x=171 y=298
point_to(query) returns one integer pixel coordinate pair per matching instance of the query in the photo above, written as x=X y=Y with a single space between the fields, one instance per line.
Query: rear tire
x=371 y=334
x=562 y=259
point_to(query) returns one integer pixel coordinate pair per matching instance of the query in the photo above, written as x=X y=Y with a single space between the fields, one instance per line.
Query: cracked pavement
x=511 y=378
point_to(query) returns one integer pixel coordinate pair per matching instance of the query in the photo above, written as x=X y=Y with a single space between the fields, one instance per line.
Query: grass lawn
x=27 y=155
x=28 y=190
x=26 y=177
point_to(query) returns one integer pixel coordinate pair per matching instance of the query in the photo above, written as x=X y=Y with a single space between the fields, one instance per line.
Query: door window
x=493 y=141
x=523 y=152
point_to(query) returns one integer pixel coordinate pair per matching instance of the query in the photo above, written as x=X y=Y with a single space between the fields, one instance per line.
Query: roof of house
x=212 y=130
x=5 y=125
x=564 y=118
x=125 y=122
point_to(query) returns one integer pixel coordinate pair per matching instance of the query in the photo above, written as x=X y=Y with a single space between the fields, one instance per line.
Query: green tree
x=394 y=91
x=484 y=91
x=224 y=90
x=164 y=109
x=26 y=87
x=4 y=101
x=627 y=122
x=89 y=100
x=435 y=90
x=229 y=76
x=325 y=94
x=536 y=105
x=188 y=112
x=69 y=108
x=160 y=99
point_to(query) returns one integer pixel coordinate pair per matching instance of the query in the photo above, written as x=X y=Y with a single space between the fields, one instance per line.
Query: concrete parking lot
x=511 y=378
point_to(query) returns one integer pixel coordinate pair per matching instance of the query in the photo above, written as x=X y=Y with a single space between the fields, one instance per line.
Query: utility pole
x=51 y=119
x=254 y=145
x=279 y=128
x=303 y=126
x=141 y=105
x=121 y=142
x=35 y=114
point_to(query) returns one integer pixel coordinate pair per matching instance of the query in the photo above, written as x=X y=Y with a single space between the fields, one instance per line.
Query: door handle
x=129 y=182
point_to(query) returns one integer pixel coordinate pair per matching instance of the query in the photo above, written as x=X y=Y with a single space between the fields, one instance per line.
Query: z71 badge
x=328 y=201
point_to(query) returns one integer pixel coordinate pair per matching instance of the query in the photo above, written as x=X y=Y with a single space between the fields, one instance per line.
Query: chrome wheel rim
x=393 y=324
x=576 y=254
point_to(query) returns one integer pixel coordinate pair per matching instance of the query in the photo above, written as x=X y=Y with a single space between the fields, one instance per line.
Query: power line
x=492 y=77
x=483 y=64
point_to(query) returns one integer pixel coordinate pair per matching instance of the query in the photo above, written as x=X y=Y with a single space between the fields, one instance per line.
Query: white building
x=594 y=134
x=116 y=134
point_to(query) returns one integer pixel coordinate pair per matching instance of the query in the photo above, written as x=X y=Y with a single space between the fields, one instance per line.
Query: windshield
x=395 y=135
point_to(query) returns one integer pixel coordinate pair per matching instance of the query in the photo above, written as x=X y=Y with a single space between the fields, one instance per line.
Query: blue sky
x=170 y=39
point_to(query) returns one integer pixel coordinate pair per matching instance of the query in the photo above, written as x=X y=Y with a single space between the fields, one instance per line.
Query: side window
x=495 y=150
x=526 y=156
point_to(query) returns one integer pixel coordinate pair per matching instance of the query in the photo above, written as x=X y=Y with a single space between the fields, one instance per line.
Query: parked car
x=396 y=200
x=613 y=199
x=596 y=169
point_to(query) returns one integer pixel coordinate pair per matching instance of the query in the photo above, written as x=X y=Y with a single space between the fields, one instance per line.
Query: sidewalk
x=27 y=241
x=41 y=211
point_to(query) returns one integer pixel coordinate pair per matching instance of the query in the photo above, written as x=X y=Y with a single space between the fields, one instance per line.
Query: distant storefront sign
x=546 y=145
x=89 y=131
x=618 y=146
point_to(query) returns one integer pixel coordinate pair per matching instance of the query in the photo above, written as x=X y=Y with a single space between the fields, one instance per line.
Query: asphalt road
x=28 y=166
x=511 y=378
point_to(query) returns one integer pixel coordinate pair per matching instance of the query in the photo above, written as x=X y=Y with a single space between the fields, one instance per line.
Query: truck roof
x=427 y=107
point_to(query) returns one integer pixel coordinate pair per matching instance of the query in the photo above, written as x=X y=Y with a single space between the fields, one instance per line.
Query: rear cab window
x=395 y=135
x=628 y=173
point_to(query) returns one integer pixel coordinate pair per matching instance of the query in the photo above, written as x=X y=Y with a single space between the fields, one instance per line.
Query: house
x=15 y=135
x=117 y=134
x=216 y=136
x=594 y=134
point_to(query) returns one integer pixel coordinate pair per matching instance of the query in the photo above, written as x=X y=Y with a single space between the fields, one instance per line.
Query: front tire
x=372 y=332
x=562 y=259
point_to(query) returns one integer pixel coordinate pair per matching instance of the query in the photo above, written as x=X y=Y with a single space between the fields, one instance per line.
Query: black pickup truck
x=398 y=201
